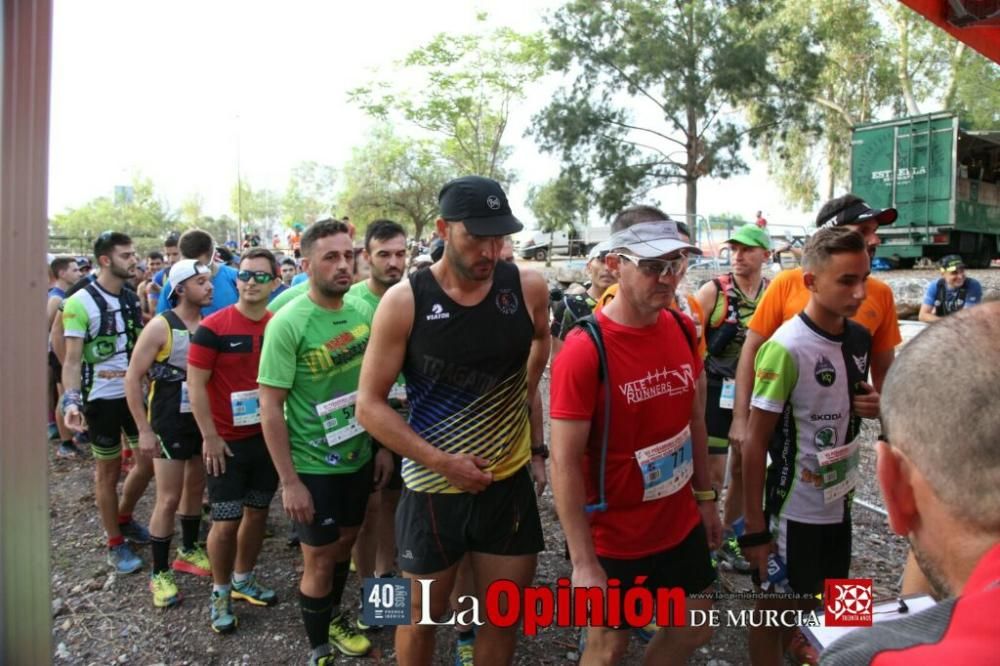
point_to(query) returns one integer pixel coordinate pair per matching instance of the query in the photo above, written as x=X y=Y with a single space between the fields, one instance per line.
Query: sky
x=183 y=91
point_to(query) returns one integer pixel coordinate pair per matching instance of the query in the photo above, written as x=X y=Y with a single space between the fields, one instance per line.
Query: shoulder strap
x=593 y=329
x=692 y=343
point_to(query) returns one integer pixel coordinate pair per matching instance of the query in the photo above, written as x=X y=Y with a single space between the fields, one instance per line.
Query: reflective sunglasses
x=260 y=277
x=657 y=267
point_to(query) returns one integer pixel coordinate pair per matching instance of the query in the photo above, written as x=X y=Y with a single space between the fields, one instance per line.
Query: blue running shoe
x=123 y=559
x=135 y=532
x=223 y=620
x=53 y=432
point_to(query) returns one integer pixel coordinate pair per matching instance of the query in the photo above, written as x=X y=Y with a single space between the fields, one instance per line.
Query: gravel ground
x=100 y=618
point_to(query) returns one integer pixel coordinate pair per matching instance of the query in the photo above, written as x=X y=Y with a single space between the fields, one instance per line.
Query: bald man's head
x=939 y=407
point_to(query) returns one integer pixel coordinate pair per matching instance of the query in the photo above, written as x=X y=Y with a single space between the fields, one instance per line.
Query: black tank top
x=169 y=409
x=466 y=376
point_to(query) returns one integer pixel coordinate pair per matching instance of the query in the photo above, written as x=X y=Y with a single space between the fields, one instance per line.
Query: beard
x=465 y=270
x=385 y=280
x=120 y=272
x=332 y=289
x=939 y=583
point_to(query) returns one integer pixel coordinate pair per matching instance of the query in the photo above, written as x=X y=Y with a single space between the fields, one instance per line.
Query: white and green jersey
x=109 y=325
x=809 y=376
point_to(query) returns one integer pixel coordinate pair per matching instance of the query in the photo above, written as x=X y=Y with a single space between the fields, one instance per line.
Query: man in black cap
x=787 y=296
x=470 y=335
x=951 y=292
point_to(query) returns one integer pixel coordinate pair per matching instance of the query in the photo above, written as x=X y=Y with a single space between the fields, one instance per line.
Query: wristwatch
x=542 y=451
x=706 y=495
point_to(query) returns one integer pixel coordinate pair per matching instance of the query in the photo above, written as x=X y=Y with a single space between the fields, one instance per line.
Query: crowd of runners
x=394 y=400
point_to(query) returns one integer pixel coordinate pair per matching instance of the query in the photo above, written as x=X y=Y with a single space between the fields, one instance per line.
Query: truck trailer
x=944 y=180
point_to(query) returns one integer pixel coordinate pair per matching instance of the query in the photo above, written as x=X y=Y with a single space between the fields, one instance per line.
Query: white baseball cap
x=183 y=270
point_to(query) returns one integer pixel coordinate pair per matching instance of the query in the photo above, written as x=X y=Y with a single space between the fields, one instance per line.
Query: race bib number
x=185 y=399
x=397 y=392
x=727 y=398
x=667 y=466
x=246 y=407
x=338 y=418
x=839 y=470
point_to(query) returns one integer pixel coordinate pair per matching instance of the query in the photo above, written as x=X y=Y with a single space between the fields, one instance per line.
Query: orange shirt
x=787 y=295
x=696 y=313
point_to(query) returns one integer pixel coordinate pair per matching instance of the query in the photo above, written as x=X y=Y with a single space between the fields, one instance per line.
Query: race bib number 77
x=666 y=466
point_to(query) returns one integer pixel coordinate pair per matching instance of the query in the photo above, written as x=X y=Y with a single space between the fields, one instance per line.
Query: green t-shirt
x=316 y=354
x=283 y=299
x=361 y=290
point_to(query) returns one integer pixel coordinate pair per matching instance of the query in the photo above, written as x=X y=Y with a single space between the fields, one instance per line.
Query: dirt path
x=103 y=619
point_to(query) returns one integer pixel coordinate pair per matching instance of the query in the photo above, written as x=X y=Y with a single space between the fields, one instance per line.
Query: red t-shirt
x=653 y=376
x=228 y=344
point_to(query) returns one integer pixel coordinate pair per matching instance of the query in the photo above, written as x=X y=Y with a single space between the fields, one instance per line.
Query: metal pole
x=239 y=190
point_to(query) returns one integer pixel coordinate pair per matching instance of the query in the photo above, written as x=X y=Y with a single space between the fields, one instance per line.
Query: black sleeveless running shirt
x=466 y=376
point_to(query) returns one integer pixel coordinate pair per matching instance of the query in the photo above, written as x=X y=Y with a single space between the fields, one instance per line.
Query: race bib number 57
x=667 y=466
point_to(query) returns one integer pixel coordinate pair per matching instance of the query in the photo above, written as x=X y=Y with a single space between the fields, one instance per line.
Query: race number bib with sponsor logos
x=185 y=399
x=667 y=466
x=727 y=398
x=246 y=407
x=339 y=422
x=838 y=468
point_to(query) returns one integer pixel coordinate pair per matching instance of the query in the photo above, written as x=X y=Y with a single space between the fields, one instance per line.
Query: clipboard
x=883 y=611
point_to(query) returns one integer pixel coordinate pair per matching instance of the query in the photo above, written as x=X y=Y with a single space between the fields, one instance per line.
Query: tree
x=559 y=205
x=142 y=215
x=254 y=208
x=461 y=91
x=878 y=61
x=856 y=81
x=654 y=87
x=310 y=195
x=396 y=178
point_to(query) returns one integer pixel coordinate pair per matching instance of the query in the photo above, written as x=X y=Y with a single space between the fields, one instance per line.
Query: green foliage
x=559 y=205
x=256 y=208
x=977 y=91
x=310 y=195
x=144 y=217
x=461 y=88
x=653 y=86
x=393 y=177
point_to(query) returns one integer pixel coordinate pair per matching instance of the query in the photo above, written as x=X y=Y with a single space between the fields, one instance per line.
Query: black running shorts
x=687 y=565
x=249 y=480
x=339 y=501
x=106 y=421
x=813 y=553
x=717 y=419
x=434 y=530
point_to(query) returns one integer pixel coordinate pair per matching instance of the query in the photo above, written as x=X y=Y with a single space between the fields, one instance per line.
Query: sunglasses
x=657 y=267
x=260 y=277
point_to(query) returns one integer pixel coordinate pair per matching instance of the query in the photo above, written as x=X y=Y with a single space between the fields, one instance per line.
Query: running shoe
x=223 y=620
x=731 y=554
x=123 y=559
x=801 y=651
x=194 y=562
x=164 y=590
x=53 y=432
x=325 y=660
x=345 y=637
x=253 y=592
x=465 y=651
x=135 y=532
x=68 y=450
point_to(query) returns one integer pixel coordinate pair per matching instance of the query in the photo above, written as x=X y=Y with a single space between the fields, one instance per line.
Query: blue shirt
x=224 y=291
x=300 y=278
x=280 y=288
x=973 y=295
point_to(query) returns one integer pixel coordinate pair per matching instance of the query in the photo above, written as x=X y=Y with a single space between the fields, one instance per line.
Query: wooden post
x=25 y=609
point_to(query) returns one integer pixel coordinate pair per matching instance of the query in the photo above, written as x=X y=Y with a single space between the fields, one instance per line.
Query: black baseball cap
x=852 y=209
x=481 y=204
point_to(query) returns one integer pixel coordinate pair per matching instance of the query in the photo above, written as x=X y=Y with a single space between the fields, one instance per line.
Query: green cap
x=752 y=236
